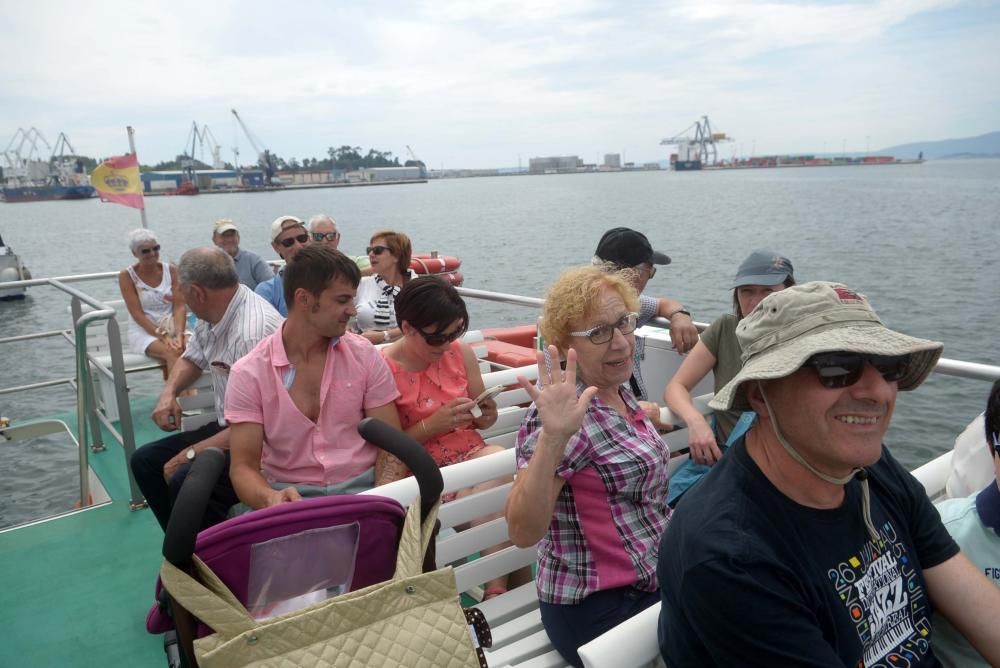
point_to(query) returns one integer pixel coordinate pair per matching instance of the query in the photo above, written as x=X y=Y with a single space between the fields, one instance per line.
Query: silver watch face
x=190 y=454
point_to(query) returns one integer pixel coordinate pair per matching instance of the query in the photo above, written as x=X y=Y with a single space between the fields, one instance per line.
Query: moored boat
x=12 y=269
x=46 y=193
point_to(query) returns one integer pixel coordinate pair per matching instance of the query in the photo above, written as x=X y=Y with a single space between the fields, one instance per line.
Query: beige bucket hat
x=790 y=326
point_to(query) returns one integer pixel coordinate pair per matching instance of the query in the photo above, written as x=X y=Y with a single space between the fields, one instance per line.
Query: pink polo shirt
x=296 y=449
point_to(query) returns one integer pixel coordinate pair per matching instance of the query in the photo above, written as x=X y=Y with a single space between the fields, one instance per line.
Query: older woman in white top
x=389 y=253
x=154 y=300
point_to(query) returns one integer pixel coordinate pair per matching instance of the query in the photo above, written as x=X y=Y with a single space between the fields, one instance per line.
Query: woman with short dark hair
x=436 y=374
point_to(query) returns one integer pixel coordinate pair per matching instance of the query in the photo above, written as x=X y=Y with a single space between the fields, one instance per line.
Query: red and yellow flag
x=117 y=180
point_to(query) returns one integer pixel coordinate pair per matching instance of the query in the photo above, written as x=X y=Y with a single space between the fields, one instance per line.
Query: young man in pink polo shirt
x=295 y=401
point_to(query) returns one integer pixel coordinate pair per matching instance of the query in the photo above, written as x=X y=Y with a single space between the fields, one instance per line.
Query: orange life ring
x=423 y=264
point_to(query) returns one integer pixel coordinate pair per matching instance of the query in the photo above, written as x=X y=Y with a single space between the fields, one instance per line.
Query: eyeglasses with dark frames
x=377 y=250
x=843 y=369
x=151 y=249
x=290 y=241
x=325 y=236
x=439 y=338
x=603 y=333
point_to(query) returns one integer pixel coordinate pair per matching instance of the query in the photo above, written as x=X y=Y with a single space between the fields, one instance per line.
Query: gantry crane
x=23 y=164
x=693 y=152
x=419 y=163
x=264 y=157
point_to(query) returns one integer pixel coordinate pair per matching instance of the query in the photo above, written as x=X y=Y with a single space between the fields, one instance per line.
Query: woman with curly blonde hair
x=592 y=470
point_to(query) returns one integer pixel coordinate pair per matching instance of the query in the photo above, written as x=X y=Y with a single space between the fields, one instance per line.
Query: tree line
x=347 y=158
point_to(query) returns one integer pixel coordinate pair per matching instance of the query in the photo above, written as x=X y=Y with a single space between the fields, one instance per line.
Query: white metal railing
x=88 y=417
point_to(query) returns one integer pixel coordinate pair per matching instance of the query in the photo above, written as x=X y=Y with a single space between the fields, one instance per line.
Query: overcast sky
x=484 y=82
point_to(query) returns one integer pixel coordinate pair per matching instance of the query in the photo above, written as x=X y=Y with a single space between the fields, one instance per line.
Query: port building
x=554 y=164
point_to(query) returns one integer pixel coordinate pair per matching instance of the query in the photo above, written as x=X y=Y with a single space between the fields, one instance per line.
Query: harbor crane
x=68 y=169
x=417 y=162
x=23 y=164
x=200 y=138
x=213 y=146
x=264 y=157
x=695 y=151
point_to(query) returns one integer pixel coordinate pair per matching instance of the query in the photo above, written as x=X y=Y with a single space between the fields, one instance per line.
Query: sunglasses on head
x=290 y=241
x=151 y=249
x=439 y=339
x=841 y=369
x=325 y=236
x=377 y=250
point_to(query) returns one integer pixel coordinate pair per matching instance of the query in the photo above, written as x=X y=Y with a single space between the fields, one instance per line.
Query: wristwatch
x=682 y=309
x=190 y=454
x=385 y=336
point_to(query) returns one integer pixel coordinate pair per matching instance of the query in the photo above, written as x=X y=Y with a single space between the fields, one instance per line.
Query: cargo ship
x=780 y=161
x=43 y=193
x=27 y=177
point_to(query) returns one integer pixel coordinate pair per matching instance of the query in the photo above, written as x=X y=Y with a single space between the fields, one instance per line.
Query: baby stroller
x=330 y=581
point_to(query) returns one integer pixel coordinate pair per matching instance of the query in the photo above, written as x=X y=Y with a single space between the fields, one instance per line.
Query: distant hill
x=983 y=146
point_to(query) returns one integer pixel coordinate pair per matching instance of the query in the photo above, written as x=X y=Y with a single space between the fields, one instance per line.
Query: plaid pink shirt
x=608 y=519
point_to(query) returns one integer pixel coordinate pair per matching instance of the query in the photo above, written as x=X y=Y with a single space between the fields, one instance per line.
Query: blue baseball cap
x=763 y=267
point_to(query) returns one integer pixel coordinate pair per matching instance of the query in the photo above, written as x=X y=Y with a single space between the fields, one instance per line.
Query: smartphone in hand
x=486 y=395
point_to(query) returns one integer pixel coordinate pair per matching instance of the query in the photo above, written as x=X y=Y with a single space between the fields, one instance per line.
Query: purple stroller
x=292 y=555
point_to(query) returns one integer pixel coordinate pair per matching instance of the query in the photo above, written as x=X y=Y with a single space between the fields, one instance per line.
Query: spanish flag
x=117 y=180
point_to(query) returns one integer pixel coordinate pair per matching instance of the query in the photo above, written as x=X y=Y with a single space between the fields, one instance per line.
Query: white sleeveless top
x=156 y=302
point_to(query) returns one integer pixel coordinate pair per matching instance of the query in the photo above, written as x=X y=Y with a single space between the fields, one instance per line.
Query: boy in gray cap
x=809 y=544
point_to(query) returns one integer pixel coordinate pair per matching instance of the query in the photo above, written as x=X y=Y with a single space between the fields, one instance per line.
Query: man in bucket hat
x=808 y=543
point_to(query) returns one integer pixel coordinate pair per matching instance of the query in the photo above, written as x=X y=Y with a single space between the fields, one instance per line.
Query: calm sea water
x=920 y=241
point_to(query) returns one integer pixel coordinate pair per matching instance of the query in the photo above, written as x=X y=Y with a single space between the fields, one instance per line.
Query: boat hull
x=47 y=193
x=687 y=166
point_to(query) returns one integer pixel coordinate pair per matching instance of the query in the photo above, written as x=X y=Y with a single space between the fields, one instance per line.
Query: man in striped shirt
x=232 y=321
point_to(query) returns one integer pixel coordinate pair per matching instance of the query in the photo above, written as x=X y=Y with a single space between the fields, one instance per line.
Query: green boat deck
x=74 y=591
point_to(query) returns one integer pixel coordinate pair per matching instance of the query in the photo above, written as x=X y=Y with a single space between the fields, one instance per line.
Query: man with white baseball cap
x=288 y=237
x=250 y=267
x=808 y=543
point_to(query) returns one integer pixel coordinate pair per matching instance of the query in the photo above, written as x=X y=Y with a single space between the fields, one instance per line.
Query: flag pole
x=131 y=145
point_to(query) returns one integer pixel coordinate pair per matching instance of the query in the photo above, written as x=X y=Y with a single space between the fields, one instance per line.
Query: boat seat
x=631 y=643
x=98 y=349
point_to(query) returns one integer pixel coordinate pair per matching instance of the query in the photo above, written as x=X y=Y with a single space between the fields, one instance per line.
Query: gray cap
x=790 y=326
x=763 y=267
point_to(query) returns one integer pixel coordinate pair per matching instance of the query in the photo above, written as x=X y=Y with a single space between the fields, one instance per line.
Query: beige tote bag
x=415 y=619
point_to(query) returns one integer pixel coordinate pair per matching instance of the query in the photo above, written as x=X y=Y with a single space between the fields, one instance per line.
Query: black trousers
x=147 y=467
x=571 y=626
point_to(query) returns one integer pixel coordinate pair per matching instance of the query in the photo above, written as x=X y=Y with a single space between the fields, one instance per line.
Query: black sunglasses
x=153 y=249
x=325 y=236
x=439 y=339
x=841 y=369
x=377 y=250
x=301 y=238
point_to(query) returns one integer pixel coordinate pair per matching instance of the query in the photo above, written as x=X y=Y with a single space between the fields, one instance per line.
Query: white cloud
x=475 y=82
